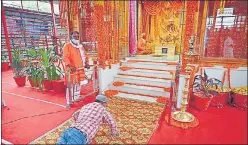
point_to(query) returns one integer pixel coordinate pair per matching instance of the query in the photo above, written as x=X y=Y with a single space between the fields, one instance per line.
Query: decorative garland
x=167 y=89
x=125 y=68
x=116 y=36
x=169 y=63
x=141 y=94
x=191 y=8
x=183 y=125
x=162 y=100
x=74 y=7
x=153 y=8
x=63 y=9
x=100 y=34
x=111 y=93
x=117 y=84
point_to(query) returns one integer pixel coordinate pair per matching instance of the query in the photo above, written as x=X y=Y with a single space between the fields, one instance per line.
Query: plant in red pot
x=5 y=63
x=51 y=71
x=17 y=67
x=202 y=92
x=222 y=97
x=32 y=70
x=240 y=95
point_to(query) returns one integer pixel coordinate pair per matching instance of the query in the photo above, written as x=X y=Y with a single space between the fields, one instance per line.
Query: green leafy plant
x=32 y=54
x=205 y=84
x=16 y=62
x=47 y=61
x=4 y=58
x=46 y=68
x=31 y=71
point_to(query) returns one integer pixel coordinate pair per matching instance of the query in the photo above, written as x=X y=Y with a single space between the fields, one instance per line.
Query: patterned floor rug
x=136 y=122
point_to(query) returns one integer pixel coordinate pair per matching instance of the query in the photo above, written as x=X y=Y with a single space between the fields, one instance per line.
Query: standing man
x=87 y=122
x=75 y=59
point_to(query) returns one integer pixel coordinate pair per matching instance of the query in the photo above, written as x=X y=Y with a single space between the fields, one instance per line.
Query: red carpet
x=34 y=93
x=32 y=126
x=227 y=125
x=24 y=120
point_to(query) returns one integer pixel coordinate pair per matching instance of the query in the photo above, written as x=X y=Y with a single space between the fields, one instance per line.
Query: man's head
x=102 y=99
x=74 y=36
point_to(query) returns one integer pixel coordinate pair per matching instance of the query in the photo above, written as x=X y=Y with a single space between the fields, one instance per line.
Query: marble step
x=136 y=90
x=136 y=97
x=144 y=76
x=151 y=57
x=146 y=81
x=150 y=73
x=149 y=65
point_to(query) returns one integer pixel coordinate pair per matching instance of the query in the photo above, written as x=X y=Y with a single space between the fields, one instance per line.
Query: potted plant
x=32 y=55
x=5 y=63
x=30 y=70
x=51 y=71
x=203 y=92
x=239 y=96
x=17 y=67
x=222 y=97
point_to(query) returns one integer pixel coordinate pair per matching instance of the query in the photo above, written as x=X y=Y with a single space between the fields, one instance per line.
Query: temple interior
x=174 y=72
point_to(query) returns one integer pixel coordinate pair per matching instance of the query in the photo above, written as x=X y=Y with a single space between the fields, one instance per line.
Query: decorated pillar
x=191 y=9
x=132 y=27
x=99 y=19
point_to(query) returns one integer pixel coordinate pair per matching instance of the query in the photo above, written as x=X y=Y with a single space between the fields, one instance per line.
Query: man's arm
x=107 y=117
x=86 y=59
x=75 y=115
x=66 y=55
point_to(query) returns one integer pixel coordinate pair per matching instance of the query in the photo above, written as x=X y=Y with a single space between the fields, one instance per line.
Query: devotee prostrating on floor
x=75 y=59
x=87 y=122
x=141 y=48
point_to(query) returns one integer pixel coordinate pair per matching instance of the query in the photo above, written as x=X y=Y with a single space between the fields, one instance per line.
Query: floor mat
x=136 y=121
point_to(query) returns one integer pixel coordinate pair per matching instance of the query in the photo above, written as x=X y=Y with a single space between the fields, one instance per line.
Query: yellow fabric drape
x=157 y=27
x=156 y=33
x=152 y=8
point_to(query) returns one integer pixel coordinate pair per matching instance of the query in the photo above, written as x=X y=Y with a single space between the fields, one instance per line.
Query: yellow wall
x=159 y=28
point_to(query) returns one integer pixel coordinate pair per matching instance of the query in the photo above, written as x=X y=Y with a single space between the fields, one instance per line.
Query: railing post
x=6 y=33
x=54 y=28
x=171 y=102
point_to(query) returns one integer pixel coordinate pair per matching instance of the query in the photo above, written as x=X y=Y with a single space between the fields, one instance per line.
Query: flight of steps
x=146 y=80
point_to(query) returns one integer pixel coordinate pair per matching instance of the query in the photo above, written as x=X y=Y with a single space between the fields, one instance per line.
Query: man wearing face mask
x=75 y=58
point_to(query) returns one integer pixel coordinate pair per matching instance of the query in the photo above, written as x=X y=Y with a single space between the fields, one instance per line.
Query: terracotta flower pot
x=20 y=80
x=59 y=86
x=221 y=99
x=47 y=84
x=5 y=66
x=240 y=100
x=202 y=102
x=33 y=83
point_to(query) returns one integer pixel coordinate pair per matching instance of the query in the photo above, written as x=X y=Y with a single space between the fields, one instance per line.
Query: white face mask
x=75 y=41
